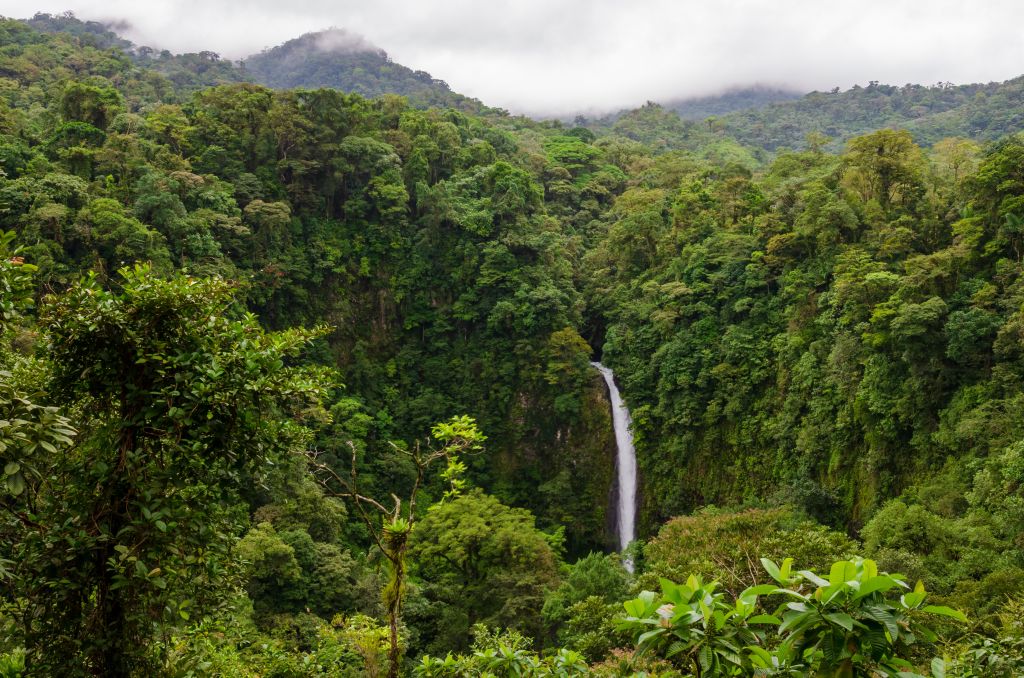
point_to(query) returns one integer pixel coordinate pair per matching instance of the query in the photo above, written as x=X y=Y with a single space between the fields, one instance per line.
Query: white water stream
x=625 y=464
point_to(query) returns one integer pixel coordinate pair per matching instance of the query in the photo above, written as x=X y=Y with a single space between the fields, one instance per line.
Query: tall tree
x=177 y=397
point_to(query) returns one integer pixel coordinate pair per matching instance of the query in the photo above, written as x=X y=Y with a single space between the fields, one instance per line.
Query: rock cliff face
x=570 y=460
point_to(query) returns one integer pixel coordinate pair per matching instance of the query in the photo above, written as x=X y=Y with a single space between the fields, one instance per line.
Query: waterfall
x=625 y=464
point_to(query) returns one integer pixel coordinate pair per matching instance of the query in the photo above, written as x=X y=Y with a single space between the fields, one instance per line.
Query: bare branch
x=351 y=492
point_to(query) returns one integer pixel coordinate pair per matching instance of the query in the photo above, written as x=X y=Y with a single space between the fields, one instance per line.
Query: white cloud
x=559 y=56
x=340 y=40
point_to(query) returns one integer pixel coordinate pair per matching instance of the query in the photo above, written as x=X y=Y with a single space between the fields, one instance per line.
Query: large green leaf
x=842 y=571
x=945 y=612
x=773 y=570
x=874 y=584
x=842 y=619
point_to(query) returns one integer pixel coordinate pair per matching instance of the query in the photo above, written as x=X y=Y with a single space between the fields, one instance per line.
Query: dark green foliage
x=821 y=333
x=580 y=610
x=132 y=527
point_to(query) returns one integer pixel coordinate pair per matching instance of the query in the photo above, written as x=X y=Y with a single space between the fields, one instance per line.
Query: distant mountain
x=188 y=72
x=91 y=33
x=756 y=118
x=661 y=129
x=334 y=58
x=747 y=98
x=679 y=124
x=978 y=111
x=983 y=112
x=342 y=60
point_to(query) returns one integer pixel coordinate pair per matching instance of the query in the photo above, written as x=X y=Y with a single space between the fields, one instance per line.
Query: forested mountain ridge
x=730 y=101
x=187 y=72
x=757 y=119
x=241 y=328
x=699 y=108
x=337 y=59
x=93 y=33
x=331 y=58
x=983 y=112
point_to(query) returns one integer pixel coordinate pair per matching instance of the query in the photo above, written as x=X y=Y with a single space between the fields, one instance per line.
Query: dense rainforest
x=296 y=382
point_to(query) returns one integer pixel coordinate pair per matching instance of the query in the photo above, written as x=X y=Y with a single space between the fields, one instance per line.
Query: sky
x=558 y=57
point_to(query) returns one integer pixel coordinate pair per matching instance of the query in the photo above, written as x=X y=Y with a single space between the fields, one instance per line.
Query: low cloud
x=342 y=41
x=548 y=57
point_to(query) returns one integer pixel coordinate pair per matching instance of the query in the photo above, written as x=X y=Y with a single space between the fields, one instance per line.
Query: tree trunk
x=394 y=608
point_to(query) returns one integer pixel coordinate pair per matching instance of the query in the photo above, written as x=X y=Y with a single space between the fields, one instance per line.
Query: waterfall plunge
x=625 y=464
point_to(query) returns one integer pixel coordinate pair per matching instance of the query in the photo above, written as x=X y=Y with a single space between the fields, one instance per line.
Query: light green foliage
x=965 y=540
x=117 y=239
x=696 y=627
x=727 y=546
x=884 y=167
x=458 y=436
x=1000 y=656
x=15 y=280
x=504 y=654
x=590 y=628
x=12 y=664
x=95 y=105
x=272 y=568
x=299 y=504
x=481 y=562
x=29 y=432
x=847 y=624
x=593 y=575
x=352 y=647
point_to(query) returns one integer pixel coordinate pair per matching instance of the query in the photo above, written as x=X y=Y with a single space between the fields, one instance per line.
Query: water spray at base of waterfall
x=625 y=465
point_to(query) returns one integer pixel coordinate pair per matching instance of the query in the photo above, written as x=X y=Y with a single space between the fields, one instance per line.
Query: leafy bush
x=12 y=664
x=579 y=611
x=503 y=655
x=726 y=546
x=849 y=624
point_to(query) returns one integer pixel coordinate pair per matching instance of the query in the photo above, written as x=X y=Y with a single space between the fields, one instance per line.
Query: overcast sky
x=564 y=56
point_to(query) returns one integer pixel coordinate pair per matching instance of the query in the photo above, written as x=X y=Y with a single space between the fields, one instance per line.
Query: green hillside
x=979 y=112
x=730 y=101
x=983 y=112
x=343 y=61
